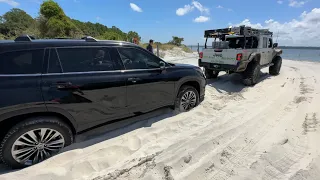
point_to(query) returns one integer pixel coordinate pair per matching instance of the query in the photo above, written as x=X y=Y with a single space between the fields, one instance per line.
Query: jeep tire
x=210 y=74
x=276 y=67
x=251 y=75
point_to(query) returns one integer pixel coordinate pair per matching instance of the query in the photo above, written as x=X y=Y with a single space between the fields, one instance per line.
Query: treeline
x=54 y=23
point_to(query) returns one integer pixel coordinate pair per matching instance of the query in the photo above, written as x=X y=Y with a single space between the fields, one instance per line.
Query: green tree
x=54 y=22
x=14 y=22
x=50 y=9
x=133 y=34
x=176 y=40
x=110 y=35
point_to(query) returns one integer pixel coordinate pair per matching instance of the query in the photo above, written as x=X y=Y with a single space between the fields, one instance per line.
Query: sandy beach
x=269 y=131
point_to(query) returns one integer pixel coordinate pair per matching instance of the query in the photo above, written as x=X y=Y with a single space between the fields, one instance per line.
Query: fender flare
x=253 y=57
x=35 y=110
x=185 y=80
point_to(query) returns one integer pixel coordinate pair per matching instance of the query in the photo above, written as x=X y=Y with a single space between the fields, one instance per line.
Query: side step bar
x=267 y=65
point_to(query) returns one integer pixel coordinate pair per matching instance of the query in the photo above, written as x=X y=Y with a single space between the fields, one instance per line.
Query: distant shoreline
x=282 y=47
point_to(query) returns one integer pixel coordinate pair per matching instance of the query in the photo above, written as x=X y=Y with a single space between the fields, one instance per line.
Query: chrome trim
x=70 y=73
x=19 y=75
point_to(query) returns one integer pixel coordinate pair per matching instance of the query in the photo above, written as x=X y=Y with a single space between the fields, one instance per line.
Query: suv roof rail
x=24 y=38
x=89 y=39
x=62 y=38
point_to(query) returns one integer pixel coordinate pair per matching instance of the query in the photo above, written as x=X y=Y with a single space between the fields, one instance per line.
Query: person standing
x=149 y=47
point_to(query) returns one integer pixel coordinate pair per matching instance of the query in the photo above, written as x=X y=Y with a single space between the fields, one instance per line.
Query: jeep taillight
x=239 y=57
x=200 y=55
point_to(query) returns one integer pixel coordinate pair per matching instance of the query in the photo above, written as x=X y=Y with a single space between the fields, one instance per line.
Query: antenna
x=277 y=37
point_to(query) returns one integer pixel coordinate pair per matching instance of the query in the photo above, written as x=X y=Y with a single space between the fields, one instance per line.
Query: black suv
x=51 y=90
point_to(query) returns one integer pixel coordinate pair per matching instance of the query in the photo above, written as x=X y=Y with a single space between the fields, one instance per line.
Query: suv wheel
x=210 y=74
x=187 y=98
x=275 y=68
x=33 y=141
x=252 y=74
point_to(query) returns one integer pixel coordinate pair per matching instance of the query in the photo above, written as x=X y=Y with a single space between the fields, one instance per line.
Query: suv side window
x=133 y=58
x=81 y=59
x=21 y=62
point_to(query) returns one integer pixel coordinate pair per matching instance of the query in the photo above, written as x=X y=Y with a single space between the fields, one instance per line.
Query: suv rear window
x=21 y=62
x=81 y=59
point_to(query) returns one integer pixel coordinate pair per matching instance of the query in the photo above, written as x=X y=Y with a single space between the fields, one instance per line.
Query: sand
x=269 y=131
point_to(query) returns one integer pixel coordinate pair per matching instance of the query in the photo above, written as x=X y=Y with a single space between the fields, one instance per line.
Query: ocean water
x=293 y=54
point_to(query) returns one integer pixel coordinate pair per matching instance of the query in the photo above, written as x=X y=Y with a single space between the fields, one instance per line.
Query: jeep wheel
x=188 y=98
x=210 y=74
x=252 y=74
x=33 y=141
x=275 y=68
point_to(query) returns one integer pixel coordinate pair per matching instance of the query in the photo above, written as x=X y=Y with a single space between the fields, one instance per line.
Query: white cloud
x=219 y=7
x=186 y=9
x=229 y=9
x=189 y=7
x=303 y=31
x=98 y=18
x=201 y=19
x=294 y=3
x=280 y=2
x=10 y=2
x=200 y=7
x=135 y=7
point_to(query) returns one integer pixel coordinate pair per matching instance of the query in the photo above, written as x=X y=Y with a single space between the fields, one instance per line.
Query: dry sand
x=269 y=131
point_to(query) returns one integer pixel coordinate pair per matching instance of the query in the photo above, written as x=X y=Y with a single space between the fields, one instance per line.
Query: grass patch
x=165 y=47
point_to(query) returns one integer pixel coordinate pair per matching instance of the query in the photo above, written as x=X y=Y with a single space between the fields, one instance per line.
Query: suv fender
x=244 y=63
x=40 y=110
x=185 y=80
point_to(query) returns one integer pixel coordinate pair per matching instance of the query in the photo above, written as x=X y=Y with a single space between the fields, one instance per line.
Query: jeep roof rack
x=246 y=31
x=24 y=38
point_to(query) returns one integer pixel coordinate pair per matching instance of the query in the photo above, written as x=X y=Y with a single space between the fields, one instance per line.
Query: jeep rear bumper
x=218 y=67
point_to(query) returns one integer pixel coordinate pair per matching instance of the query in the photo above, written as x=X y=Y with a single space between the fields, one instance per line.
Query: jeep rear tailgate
x=221 y=56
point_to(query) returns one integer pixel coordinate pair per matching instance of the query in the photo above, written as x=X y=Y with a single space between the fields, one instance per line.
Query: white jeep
x=242 y=50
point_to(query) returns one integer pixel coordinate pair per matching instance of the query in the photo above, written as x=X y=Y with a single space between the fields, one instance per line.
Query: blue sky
x=160 y=20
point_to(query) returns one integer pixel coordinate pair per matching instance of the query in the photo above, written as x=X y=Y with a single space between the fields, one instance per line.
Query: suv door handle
x=134 y=80
x=66 y=85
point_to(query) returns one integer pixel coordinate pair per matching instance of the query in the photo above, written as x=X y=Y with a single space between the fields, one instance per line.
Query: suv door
x=20 y=77
x=87 y=83
x=148 y=87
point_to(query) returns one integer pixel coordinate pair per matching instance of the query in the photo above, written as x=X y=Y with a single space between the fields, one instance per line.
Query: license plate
x=215 y=66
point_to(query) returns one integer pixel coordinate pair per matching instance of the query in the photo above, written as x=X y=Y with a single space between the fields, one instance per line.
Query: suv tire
x=252 y=74
x=210 y=74
x=275 y=68
x=42 y=136
x=187 y=99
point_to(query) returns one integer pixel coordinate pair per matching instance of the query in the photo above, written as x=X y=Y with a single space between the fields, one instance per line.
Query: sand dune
x=269 y=131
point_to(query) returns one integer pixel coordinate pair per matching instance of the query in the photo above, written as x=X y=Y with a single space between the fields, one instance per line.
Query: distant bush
x=176 y=41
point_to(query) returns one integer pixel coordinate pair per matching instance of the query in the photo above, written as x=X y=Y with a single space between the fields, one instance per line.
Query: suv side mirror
x=162 y=65
x=275 y=45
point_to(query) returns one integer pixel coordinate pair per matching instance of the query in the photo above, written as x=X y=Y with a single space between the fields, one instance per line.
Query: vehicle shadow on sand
x=111 y=130
x=119 y=128
x=232 y=83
